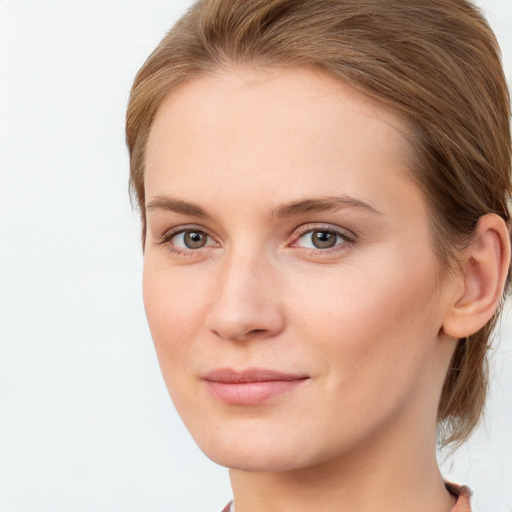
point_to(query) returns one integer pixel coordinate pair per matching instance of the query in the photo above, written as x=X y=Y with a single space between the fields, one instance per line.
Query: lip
x=252 y=386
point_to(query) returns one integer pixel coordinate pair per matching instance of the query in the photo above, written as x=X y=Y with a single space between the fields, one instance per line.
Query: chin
x=253 y=460
x=275 y=452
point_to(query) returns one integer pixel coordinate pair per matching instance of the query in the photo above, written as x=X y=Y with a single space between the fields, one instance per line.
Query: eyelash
x=348 y=239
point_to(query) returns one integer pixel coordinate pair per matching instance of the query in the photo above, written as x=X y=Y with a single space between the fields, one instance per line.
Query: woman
x=323 y=187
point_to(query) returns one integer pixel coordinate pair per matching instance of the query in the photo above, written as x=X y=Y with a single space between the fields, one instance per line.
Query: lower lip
x=251 y=393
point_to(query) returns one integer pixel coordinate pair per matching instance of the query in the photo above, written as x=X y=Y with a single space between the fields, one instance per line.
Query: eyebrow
x=285 y=210
x=176 y=205
x=322 y=204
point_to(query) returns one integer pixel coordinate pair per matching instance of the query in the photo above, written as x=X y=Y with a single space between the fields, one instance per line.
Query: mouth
x=252 y=386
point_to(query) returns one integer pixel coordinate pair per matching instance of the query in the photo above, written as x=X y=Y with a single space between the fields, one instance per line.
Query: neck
x=394 y=473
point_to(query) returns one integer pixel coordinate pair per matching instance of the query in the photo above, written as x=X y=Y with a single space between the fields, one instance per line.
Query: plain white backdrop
x=85 y=421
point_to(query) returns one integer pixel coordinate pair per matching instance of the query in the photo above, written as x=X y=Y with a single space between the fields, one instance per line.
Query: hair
x=437 y=63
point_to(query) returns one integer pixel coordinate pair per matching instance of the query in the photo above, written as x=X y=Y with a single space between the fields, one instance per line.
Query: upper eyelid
x=186 y=227
x=307 y=228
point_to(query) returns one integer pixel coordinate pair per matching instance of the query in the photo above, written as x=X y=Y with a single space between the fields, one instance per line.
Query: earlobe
x=484 y=269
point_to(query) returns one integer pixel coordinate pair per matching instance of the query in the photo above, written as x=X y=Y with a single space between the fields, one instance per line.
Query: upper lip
x=229 y=375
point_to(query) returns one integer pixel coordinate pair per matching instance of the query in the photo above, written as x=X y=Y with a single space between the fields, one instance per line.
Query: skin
x=363 y=320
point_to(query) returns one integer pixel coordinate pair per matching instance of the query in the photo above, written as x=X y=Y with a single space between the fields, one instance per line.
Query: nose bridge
x=247 y=298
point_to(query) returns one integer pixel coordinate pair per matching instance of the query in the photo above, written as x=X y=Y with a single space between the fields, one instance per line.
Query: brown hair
x=436 y=62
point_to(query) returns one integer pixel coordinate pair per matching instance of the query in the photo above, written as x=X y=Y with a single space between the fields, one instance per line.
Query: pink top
x=461 y=492
x=463 y=495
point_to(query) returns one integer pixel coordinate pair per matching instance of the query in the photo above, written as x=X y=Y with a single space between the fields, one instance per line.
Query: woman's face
x=289 y=278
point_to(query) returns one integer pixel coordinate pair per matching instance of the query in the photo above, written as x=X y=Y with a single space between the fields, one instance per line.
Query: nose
x=247 y=303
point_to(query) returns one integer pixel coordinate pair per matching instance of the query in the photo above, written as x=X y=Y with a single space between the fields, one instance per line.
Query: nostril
x=256 y=331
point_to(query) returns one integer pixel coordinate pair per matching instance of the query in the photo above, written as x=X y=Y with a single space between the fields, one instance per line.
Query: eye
x=189 y=239
x=322 y=238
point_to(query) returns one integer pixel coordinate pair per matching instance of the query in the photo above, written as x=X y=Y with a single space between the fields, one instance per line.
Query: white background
x=85 y=420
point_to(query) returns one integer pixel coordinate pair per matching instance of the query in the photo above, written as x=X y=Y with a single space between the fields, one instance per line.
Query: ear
x=484 y=269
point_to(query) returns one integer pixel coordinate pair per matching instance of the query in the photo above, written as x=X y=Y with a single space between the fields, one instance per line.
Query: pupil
x=195 y=239
x=324 y=239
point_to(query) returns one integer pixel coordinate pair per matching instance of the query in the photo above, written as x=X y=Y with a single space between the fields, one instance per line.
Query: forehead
x=260 y=129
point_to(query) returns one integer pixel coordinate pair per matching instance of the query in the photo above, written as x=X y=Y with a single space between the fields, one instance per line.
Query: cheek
x=373 y=324
x=387 y=291
x=174 y=313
